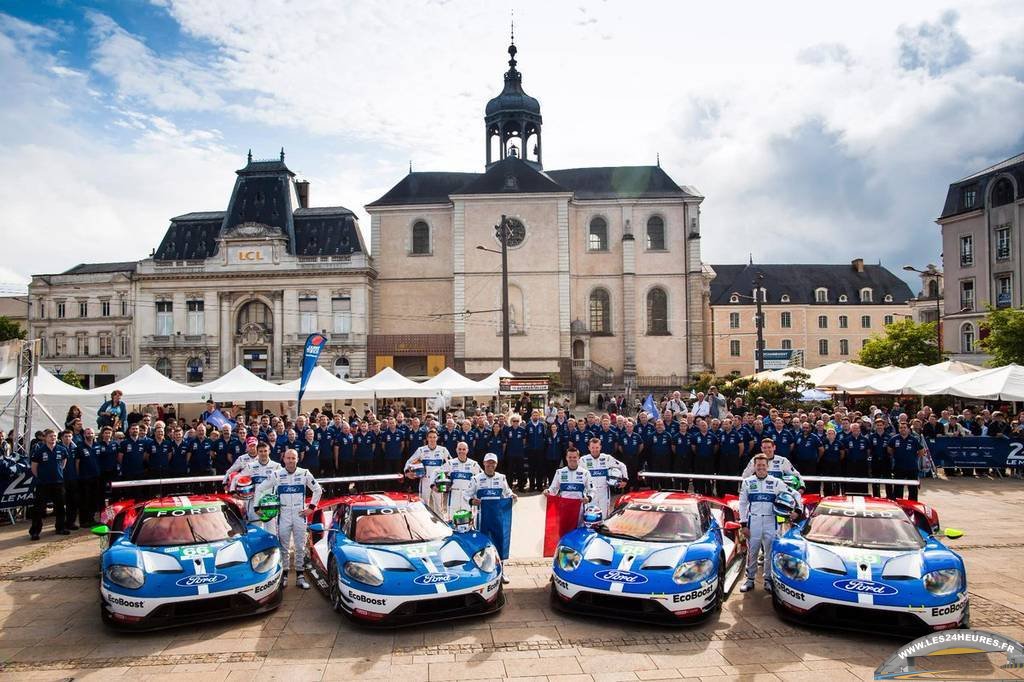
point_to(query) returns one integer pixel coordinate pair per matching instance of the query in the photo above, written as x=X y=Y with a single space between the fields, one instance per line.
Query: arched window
x=967 y=338
x=822 y=322
x=342 y=368
x=597 y=239
x=1002 y=193
x=844 y=347
x=786 y=320
x=600 y=312
x=420 y=238
x=516 y=311
x=933 y=288
x=866 y=295
x=843 y=298
x=888 y=298
x=255 y=313
x=194 y=370
x=844 y=322
x=163 y=365
x=655 y=233
x=657 y=311
x=734 y=299
x=787 y=344
x=821 y=295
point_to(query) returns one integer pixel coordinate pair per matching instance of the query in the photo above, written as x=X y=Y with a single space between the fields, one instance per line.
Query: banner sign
x=314 y=344
x=563 y=515
x=517 y=385
x=16 y=485
x=775 y=358
x=976 y=452
x=496 y=522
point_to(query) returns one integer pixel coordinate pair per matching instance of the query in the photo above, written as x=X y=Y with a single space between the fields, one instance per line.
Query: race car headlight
x=567 y=558
x=265 y=561
x=942 y=582
x=131 y=577
x=368 y=574
x=791 y=567
x=692 y=571
x=486 y=559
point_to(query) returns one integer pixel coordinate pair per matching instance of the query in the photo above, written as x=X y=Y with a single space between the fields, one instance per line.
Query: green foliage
x=71 y=378
x=777 y=394
x=1003 y=336
x=905 y=343
x=9 y=329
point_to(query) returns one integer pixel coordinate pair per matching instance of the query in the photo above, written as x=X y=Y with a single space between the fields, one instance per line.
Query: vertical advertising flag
x=651 y=408
x=314 y=344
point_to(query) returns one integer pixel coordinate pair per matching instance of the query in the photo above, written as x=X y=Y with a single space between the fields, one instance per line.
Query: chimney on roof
x=858 y=264
x=302 y=192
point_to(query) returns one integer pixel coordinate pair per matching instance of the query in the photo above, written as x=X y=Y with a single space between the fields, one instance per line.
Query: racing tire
x=720 y=591
x=333 y=590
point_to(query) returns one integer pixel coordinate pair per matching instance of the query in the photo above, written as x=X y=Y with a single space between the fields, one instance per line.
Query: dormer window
x=843 y=298
x=866 y=295
x=784 y=298
x=734 y=299
x=888 y=298
x=821 y=295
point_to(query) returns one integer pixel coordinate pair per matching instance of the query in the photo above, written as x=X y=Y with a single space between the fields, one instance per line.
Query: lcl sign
x=250 y=255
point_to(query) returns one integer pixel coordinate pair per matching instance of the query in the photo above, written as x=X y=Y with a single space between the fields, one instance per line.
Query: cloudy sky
x=818 y=132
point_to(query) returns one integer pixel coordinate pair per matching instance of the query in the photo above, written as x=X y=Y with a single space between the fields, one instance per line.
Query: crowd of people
x=705 y=435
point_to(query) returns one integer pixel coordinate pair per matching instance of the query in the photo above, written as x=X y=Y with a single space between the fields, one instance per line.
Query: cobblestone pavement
x=51 y=628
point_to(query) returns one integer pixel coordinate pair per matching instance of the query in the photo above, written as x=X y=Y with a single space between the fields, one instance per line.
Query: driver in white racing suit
x=289 y=484
x=425 y=463
x=257 y=468
x=778 y=465
x=758 y=519
x=600 y=465
x=462 y=470
x=572 y=481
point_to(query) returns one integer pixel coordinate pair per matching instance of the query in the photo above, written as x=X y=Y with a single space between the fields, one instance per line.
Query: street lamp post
x=938 y=308
x=501 y=231
x=758 y=299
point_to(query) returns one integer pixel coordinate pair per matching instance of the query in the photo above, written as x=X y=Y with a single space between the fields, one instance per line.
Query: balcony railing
x=177 y=341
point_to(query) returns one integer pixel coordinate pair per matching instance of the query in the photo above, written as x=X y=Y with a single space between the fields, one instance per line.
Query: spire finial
x=282 y=153
x=410 y=165
x=512 y=44
x=250 y=155
x=658 y=157
x=751 y=257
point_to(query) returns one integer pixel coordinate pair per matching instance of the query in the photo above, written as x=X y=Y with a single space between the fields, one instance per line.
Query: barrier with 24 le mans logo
x=976 y=452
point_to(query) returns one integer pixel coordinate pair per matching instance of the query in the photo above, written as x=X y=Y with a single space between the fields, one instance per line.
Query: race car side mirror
x=731 y=525
x=103 y=530
x=316 y=527
x=953 y=533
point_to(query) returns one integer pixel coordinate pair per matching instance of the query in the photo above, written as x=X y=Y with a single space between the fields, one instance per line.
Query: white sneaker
x=768 y=586
x=747 y=586
x=284 y=579
x=301 y=582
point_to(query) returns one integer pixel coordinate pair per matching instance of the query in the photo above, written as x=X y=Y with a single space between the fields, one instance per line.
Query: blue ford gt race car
x=666 y=557
x=869 y=563
x=386 y=559
x=184 y=559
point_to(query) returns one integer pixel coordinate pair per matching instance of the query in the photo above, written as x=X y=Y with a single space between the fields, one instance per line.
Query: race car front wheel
x=335 y=588
x=720 y=591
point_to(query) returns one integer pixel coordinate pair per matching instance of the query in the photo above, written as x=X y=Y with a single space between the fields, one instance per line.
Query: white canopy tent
x=53 y=397
x=955 y=367
x=1002 y=383
x=908 y=380
x=836 y=373
x=323 y=385
x=494 y=378
x=456 y=385
x=388 y=383
x=942 y=386
x=241 y=384
x=146 y=385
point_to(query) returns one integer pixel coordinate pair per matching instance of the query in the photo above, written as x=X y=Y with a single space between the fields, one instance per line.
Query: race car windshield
x=874 y=530
x=173 y=526
x=396 y=525
x=651 y=522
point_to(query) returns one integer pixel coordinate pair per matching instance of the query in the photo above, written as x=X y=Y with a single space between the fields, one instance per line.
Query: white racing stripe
x=863 y=568
x=626 y=564
x=441 y=587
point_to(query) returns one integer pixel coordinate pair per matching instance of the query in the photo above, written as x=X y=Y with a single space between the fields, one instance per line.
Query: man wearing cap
x=488 y=484
x=243 y=460
x=290 y=484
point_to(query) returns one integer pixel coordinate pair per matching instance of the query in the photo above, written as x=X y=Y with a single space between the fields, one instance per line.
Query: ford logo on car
x=197 y=580
x=865 y=587
x=614 y=576
x=435 y=578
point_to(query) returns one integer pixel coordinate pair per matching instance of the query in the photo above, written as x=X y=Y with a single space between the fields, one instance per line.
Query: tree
x=905 y=343
x=10 y=330
x=1002 y=336
x=71 y=378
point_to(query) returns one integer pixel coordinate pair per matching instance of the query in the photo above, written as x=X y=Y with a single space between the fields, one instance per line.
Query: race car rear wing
x=823 y=479
x=157 y=487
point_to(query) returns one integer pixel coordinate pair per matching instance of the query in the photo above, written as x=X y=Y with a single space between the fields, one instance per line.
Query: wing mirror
x=953 y=533
x=731 y=525
x=316 y=527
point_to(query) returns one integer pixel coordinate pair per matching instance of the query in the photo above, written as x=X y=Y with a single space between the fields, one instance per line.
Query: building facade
x=605 y=276
x=927 y=305
x=242 y=286
x=821 y=313
x=982 y=252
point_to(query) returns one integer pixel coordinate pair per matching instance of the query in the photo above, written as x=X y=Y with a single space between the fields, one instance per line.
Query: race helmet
x=441 y=482
x=793 y=481
x=614 y=477
x=462 y=521
x=785 y=504
x=592 y=516
x=244 y=487
x=418 y=470
x=268 y=507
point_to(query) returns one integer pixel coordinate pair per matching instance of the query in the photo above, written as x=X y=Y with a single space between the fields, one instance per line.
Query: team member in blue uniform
x=393 y=442
x=180 y=451
x=609 y=436
x=536 y=450
x=682 y=453
x=200 y=461
x=704 y=446
x=905 y=451
x=344 y=450
x=90 y=486
x=515 y=452
x=109 y=471
x=881 y=463
x=365 y=443
x=783 y=439
x=578 y=435
x=132 y=459
x=417 y=436
x=630 y=452
x=660 y=457
x=309 y=452
x=326 y=435
x=857 y=460
x=554 y=451
x=832 y=461
x=48 y=471
x=496 y=442
x=481 y=438
x=730 y=456
x=807 y=450
x=159 y=449
x=68 y=448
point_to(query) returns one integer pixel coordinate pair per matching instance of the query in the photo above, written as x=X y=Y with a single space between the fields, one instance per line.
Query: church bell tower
x=512 y=120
